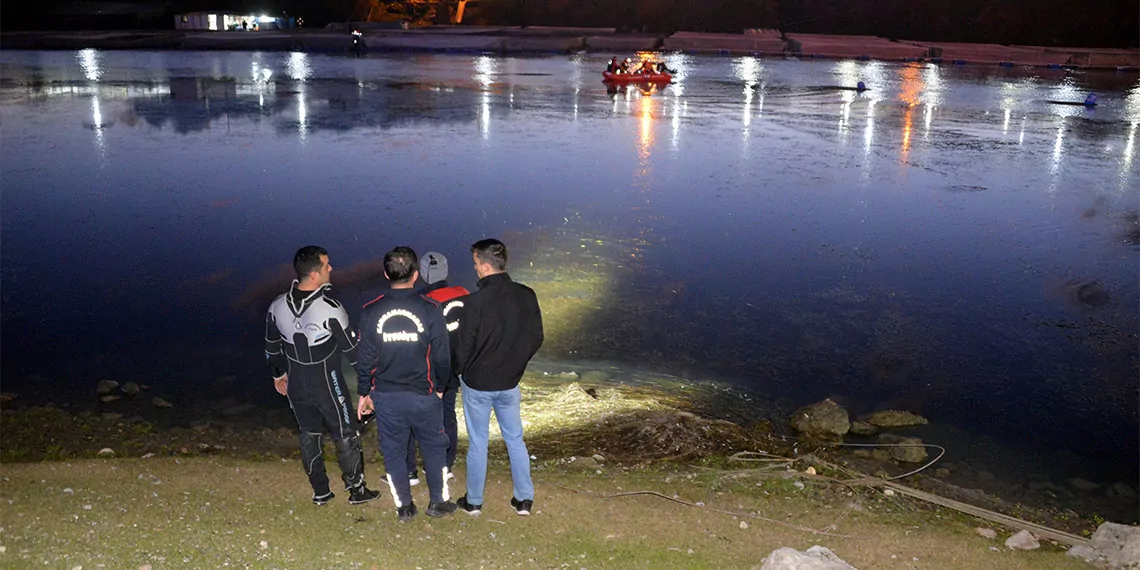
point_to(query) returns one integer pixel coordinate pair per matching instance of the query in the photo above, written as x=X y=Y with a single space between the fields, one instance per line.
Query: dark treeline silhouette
x=1091 y=23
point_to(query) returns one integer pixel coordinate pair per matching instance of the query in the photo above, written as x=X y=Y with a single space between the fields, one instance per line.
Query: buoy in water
x=861 y=86
x=1090 y=101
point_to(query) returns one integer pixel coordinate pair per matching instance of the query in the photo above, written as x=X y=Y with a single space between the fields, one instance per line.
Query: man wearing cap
x=433 y=270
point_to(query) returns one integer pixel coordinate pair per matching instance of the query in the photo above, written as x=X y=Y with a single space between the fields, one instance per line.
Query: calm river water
x=949 y=242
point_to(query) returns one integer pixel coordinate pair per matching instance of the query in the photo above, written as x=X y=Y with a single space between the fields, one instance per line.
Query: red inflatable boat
x=636 y=77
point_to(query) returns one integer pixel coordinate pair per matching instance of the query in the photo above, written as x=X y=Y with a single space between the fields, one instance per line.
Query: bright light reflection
x=932 y=77
x=298 y=66
x=484 y=70
x=1058 y=148
x=1129 y=149
x=1132 y=105
x=676 y=124
x=302 y=112
x=906 y=133
x=89 y=62
x=97 y=124
x=1005 y=123
x=747 y=118
x=485 y=116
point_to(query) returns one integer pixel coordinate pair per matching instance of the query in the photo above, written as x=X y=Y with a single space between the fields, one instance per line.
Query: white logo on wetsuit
x=399 y=336
x=452 y=325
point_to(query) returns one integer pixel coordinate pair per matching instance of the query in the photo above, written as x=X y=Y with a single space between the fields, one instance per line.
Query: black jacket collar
x=492 y=280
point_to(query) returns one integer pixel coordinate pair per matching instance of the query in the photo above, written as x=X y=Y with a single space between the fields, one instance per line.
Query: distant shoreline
x=549 y=40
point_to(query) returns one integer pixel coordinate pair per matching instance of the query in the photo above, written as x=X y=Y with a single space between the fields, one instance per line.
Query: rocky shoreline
x=537 y=40
x=576 y=419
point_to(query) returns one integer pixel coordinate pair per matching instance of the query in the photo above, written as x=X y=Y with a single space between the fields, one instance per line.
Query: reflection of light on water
x=680 y=64
x=1005 y=123
x=1058 y=148
x=484 y=69
x=929 y=114
x=1021 y=137
x=1132 y=105
x=97 y=122
x=932 y=77
x=906 y=133
x=89 y=62
x=845 y=113
x=676 y=123
x=1129 y=149
x=302 y=112
x=747 y=118
x=299 y=68
x=847 y=73
x=748 y=70
x=869 y=130
x=912 y=85
x=645 y=132
x=485 y=115
x=868 y=136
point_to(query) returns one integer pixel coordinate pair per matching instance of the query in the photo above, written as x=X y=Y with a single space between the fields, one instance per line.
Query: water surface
x=949 y=242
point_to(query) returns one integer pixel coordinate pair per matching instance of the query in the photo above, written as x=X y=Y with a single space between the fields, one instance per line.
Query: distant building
x=222 y=20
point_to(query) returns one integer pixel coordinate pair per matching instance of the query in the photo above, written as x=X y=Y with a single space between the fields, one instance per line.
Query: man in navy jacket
x=403 y=365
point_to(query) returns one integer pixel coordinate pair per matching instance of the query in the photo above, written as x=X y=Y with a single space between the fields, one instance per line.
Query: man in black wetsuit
x=403 y=368
x=303 y=332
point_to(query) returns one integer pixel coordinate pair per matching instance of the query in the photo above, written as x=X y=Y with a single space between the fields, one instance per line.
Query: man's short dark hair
x=401 y=264
x=491 y=251
x=308 y=260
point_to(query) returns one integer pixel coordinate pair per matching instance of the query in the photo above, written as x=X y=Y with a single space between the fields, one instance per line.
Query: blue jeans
x=477 y=408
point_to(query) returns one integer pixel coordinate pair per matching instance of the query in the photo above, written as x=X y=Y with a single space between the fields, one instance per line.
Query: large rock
x=106 y=387
x=908 y=450
x=822 y=419
x=895 y=418
x=863 y=428
x=131 y=389
x=1022 y=541
x=815 y=558
x=1114 y=546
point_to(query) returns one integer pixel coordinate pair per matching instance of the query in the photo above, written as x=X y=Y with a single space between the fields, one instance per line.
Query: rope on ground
x=824 y=532
x=983 y=513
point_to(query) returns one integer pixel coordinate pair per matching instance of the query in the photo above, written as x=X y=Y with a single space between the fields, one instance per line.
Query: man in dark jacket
x=502 y=330
x=403 y=364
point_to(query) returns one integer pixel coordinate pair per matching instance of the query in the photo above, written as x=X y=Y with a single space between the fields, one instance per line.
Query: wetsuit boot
x=350 y=456
x=312 y=456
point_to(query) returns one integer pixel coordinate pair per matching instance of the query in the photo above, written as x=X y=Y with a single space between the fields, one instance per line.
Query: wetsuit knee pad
x=350 y=456
x=311 y=451
x=348 y=444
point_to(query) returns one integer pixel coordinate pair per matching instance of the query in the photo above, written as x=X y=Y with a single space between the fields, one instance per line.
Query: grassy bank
x=213 y=512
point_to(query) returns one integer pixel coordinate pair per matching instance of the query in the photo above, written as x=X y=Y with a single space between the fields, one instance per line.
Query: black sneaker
x=414 y=478
x=522 y=507
x=361 y=494
x=468 y=507
x=437 y=510
x=406 y=513
x=322 y=499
